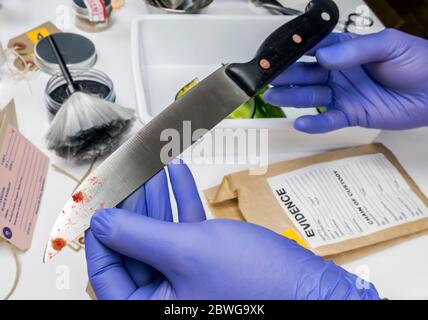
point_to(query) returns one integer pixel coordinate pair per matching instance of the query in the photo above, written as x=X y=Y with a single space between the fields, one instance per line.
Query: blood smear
x=78 y=197
x=58 y=243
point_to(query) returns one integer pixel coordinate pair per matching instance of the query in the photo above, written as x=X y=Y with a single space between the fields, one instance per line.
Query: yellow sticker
x=34 y=34
x=293 y=235
x=117 y=4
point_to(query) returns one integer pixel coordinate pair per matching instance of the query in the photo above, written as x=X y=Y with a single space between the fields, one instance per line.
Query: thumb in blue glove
x=144 y=255
x=373 y=81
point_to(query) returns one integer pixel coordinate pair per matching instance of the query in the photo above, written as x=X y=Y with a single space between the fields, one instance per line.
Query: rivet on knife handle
x=286 y=45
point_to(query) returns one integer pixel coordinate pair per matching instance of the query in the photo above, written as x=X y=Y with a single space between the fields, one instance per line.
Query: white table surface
x=398 y=272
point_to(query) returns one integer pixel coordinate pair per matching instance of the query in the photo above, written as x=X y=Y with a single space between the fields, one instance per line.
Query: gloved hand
x=374 y=81
x=137 y=252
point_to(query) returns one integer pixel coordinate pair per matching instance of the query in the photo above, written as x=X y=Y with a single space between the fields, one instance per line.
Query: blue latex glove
x=137 y=252
x=374 y=81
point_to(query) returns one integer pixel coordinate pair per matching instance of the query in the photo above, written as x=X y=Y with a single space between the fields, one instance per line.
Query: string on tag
x=9 y=58
x=17 y=269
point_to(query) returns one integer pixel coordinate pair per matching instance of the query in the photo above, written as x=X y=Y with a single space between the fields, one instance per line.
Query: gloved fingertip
x=304 y=124
x=179 y=173
x=268 y=97
x=101 y=223
x=326 y=57
x=311 y=125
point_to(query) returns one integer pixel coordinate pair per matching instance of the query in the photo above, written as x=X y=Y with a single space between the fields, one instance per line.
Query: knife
x=139 y=159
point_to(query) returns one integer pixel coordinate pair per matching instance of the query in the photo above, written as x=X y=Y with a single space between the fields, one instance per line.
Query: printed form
x=345 y=199
x=23 y=170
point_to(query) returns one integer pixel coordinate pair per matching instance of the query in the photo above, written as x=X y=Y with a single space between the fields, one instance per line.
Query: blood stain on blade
x=78 y=197
x=94 y=181
x=58 y=243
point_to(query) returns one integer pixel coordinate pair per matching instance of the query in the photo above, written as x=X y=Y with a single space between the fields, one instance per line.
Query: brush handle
x=62 y=65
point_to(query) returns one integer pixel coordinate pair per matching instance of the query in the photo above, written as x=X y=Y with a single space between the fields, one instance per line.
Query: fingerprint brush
x=86 y=126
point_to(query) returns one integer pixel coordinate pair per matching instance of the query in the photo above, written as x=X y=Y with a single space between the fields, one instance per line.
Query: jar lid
x=81 y=10
x=77 y=51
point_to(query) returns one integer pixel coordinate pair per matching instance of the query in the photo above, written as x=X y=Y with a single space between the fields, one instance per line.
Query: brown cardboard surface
x=349 y=256
x=235 y=198
x=25 y=46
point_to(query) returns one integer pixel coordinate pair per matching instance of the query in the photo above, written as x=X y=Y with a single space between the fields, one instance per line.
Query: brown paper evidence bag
x=246 y=197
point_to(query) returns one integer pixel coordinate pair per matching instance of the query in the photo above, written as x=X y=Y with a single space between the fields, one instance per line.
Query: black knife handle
x=285 y=46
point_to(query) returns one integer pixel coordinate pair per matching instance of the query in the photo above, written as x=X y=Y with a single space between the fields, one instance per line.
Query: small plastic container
x=82 y=20
x=91 y=81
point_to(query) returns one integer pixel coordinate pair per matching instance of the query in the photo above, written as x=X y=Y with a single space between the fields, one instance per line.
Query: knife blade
x=218 y=95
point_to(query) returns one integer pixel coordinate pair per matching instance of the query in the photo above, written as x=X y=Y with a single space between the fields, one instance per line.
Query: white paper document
x=345 y=199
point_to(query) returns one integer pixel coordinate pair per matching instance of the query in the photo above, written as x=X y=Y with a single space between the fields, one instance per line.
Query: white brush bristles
x=87 y=126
